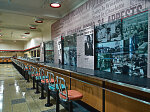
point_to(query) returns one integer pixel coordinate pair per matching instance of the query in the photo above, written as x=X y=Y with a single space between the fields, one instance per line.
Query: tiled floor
x=14 y=95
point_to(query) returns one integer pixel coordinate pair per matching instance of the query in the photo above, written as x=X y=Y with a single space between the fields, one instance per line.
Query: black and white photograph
x=109 y=32
x=66 y=56
x=133 y=66
x=135 y=32
x=104 y=62
x=70 y=52
x=110 y=47
x=89 y=45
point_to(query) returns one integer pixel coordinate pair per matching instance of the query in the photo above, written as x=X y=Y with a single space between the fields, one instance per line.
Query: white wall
x=33 y=42
x=46 y=32
x=11 y=45
x=46 y=35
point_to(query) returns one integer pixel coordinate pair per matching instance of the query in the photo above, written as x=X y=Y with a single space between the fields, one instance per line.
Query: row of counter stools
x=49 y=82
x=5 y=60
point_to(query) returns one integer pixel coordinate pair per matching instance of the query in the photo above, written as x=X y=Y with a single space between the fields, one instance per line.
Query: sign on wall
x=95 y=12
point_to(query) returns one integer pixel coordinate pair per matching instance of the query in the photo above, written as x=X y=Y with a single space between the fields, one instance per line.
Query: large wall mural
x=98 y=13
x=95 y=12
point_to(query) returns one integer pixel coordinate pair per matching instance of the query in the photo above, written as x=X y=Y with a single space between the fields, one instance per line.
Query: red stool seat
x=43 y=81
x=35 y=75
x=38 y=74
x=72 y=95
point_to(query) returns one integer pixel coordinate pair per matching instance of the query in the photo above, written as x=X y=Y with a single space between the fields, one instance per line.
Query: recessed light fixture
x=39 y=20
x=31 y=26
x=55 y=3
x=1 y=35
x=27 y=33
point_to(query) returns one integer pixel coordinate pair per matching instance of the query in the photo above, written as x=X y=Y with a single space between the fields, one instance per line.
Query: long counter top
x=134 y=82
x=142 y=84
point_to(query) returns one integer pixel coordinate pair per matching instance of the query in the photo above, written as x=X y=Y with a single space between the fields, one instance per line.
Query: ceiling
x=16 y=15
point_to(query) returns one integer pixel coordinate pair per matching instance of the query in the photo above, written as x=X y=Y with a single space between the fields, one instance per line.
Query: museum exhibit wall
x=92 y=14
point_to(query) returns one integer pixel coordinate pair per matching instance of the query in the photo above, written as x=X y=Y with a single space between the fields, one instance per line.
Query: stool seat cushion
x=39 y=77
x=33 y=75
x=72 y=95
x=52 y=87
x=47 y=81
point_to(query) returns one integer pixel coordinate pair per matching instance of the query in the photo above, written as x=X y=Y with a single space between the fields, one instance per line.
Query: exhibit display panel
x=70 y=50
x=135 y=35
x=85 y=48
x=121 y=46
x=49 y=52
x=58 y=50
x=108 y=44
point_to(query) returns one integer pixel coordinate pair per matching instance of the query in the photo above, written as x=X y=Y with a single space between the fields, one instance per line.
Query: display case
x=49 y=52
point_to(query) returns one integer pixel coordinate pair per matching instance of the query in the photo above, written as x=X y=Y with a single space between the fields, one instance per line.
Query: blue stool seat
x=52 y=87
x=39 y=77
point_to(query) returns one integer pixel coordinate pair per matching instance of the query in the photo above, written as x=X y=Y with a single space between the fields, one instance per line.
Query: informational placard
x=85 y=48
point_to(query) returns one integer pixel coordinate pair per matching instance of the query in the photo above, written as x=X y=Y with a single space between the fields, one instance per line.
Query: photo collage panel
x=122 y=46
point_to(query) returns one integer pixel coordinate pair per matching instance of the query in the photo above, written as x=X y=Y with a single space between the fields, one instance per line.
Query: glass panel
x=122 y=46
x=70 y=50
x=49 y=52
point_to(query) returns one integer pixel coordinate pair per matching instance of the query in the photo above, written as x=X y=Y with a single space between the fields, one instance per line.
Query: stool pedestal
x=48 y=104
x=37 y=87
x=42 y=92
